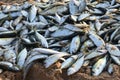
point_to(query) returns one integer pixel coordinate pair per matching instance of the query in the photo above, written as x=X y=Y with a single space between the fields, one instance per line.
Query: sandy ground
x=38 y=71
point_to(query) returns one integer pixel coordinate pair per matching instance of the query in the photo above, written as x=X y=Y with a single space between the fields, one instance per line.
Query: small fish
x=73 y=8
x=12 y=8
x=112 y=49
x=47 y=51
x=73 y=28
x=53 y=10
x=42 y=39
x=68 y=62
x=21 y=58
x=32 y=13
x=76 y=66
x=17 y=20
x=10 y=56
x=82 y=5
x=35 y=57
x=94 y=54
x=6 y=41
x=62 y=33
x=99 y=66
x=35 y=24
x=8 y=66
x=87 y=44
x=53 y=58
x=14 y=14
x=97 y=40
x=6 y=34
x=116 y=59
x=75 y=44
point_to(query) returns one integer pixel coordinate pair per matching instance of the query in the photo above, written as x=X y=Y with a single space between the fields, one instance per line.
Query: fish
x=47 y=51
x=82 y=5
x=36 y=24
x=17 y=20
x=53 y=10
x=112 y=49
x=68 y=62
x=42 y=39
x=32 y=13
x=73 y=8
x=97 y=40
x=8 y=66
x=21 y=58
x=76 y=66
x=10 y=55
x=62 y=33
x=94 y=54
x=52 y=59
x=35 y=57
x=6 y=41
x=116 y=59
x=75 y=44
x=99 y=66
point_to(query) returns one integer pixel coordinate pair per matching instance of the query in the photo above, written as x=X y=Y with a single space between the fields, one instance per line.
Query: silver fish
x=53 y=10
x=35 y=57
x=10 y=56
x=94 y=54
x=17 y=20
x=68 y=62
x=82 y=5
x=6 y=41
x=116 y=59
x=32 y=13
x=53 y=58
x=36 y=24
x=99 y=66
x=76 y=66
x=112 y=49
x=97 y=40
x=61 y=33
x=41 y=39
x=21 y=58
x=47 y=51
x=75 y=44
x=7 y=65
x=73 y=8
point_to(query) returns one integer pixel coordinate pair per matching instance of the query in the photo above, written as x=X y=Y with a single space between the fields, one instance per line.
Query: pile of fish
x=75 y=32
